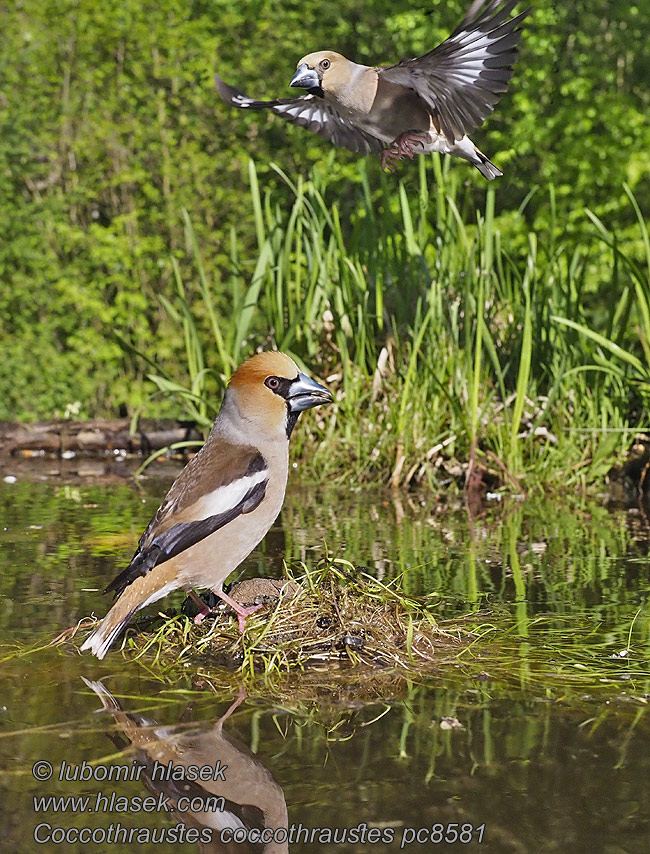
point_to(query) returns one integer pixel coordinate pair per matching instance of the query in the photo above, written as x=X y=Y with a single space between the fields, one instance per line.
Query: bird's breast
x=381 y=108
x=208 y=563
x=396 y=110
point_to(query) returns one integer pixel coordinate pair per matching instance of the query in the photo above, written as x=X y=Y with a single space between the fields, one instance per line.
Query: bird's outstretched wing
x=463 y=78
x=311 y=112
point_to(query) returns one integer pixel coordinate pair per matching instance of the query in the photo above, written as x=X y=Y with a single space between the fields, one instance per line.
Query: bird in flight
x=430 y=103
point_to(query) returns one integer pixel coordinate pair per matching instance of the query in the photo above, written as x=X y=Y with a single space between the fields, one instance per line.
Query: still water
x=536 y=739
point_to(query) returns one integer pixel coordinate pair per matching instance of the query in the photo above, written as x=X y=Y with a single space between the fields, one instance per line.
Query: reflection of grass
x=560 y=659
x=556 y=589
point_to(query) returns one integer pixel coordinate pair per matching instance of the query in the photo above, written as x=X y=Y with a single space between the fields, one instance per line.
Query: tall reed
x=459 y=341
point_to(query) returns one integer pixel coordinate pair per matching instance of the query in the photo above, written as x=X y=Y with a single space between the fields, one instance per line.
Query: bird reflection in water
x=252 y=800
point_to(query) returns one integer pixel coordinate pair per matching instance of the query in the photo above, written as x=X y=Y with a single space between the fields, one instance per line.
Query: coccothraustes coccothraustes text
x=225 y=499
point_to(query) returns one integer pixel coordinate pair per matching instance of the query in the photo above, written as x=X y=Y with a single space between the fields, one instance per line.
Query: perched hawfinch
x=225 y=499
x=426 y=104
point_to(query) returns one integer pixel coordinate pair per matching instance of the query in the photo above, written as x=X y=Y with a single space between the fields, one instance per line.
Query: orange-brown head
x=268 y=392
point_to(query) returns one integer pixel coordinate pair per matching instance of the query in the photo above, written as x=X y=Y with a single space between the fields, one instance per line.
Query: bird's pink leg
x=242 y=613
x=200 y=604
x=241 y=696
x=403 y=146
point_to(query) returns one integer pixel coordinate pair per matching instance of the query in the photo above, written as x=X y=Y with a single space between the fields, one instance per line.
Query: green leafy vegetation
x=452 y=341
x=154 y=238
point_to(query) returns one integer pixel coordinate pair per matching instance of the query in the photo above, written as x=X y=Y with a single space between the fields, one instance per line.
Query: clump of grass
x=461 y=343
x=285 y=658
x=334 y=614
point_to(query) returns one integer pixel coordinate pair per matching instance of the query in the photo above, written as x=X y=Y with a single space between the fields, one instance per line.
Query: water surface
x=537 y=740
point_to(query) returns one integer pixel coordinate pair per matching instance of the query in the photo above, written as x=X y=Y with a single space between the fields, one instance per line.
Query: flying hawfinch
x=225 y=499
x=426 y=104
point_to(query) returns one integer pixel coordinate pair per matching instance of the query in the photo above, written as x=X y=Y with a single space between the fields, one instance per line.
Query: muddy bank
x=104 y=447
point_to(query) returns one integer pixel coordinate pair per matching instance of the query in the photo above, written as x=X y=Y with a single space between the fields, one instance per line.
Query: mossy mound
x=335 y=615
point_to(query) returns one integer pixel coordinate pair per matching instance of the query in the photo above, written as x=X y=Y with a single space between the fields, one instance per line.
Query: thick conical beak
x=305 y=78
x=305 y=393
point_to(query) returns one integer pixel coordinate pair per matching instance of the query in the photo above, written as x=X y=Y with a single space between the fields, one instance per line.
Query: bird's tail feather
x=107 y=699
x=107 y=631
x=139 y=593
x=485 y=166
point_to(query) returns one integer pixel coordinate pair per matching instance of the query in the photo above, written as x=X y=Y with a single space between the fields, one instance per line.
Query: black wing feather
x=182 y=536
x=311 y=112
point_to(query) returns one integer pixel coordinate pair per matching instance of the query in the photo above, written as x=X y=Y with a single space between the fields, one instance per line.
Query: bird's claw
x=244 y=613
x=389 y=153
x=403 y=146
x=204 y=610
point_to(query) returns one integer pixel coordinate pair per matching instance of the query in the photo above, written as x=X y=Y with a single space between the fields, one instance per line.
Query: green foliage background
x=110 y=126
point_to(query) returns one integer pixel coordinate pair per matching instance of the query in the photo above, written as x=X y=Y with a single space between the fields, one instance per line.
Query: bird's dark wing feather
x=181 y=536
x=311 y=112
x=205 y=472
x=462 y=79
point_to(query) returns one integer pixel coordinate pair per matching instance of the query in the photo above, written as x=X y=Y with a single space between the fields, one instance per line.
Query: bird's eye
x=325 y=64
x=272 y=382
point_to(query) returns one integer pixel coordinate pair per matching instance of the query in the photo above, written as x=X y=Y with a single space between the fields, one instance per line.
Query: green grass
x=568 y=658
x=459 y=348
x=334 y=614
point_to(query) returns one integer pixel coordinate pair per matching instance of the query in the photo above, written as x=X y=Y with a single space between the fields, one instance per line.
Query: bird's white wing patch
x=242 y=101
x=158 y=594
x=225 y=498
x=317 y=116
